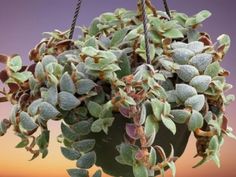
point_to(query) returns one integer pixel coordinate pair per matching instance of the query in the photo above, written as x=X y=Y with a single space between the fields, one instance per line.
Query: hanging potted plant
x=128 y=93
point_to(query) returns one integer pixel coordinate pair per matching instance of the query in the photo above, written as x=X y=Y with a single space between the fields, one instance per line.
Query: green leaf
x=196 y=46
x=47 y=111
x=78 y=173
x=127 y=152
x=97 y=126
x=98 y=173
x=182 y=55
x=140 y=170
x=169 y=124
x=173 y=33
x=84 y=86
x=213 y=69
x=202 y=16
x=93 y=29
x=48 y=59
x=180 y=116
x=94 y=109
x=27 y=122
x=39 y=72
x=67 y=84
x=82 y=127
x=118 y=37
x=173 y=168
x=84 y=145
x=214 y=144
x=157 y=107
x=22 y=76
x=15 y=63
x=33 y=107
x=184 y=91
x=152 y=156
x=24 y=142
x=195 y=121
x=151 y=126
x=201 y=61
x=201 y=83
x=70 y=153
x=195 y=102
x=68 y=101
x=224 y=40
x=187 y=72
x=90 y=51
x=68 y=133
x=86 y=161
x=125 y=67
x=52 y=96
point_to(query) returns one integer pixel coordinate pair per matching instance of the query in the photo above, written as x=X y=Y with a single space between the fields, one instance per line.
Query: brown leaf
x=3 y=99
x=3 y=58
x=4 y=76
x=225 y=123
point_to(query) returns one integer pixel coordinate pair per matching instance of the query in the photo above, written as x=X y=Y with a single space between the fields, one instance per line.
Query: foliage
x=84 y=83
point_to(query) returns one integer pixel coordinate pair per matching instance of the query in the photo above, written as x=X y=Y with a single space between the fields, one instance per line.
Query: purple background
x=23 y=21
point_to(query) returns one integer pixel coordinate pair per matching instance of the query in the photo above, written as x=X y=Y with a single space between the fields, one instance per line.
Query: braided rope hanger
x=145 y=22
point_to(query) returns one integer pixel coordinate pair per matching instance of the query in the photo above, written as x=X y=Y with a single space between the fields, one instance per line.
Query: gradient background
x=21 y=25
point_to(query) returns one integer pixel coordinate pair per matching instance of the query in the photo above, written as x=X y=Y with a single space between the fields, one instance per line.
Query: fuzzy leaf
x=67 y=84
x=182 y=55
x=39 y=72
x=70 y=153
x=140 y=171
x=52 y=95
x=202 y=16
x=94 y=109
x=187 y=72
x=48 y=59
x=86 y=161
x=22 y=76
x=195 y=121
x=98 y=173
x=173 y=33
x=180 y=116
x=127 y=152
x=89 y=51
x=67 y=101
x=213 y=69
x=33 y=107
x=84 y=86
x=195 y=102
x=82 y=127
x=201 y=61
x=84 y=145
x=196 y=46
x=201 y=83
x=152 y=156
x=177 y=45
x=27 y=122
x=151 y=126
x=78 y=173
x=68 y=133
x=169 y=124
x=118 y=37
x=184 y=91
x=47 y=111
x=15 y=63
x=157 y=107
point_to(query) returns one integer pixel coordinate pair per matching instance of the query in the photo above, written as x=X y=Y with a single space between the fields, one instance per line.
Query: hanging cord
x=167 y=8
x=77 y=10
x=145 y=21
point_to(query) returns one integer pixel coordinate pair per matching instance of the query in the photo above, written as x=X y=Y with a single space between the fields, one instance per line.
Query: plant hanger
x=145 y=22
